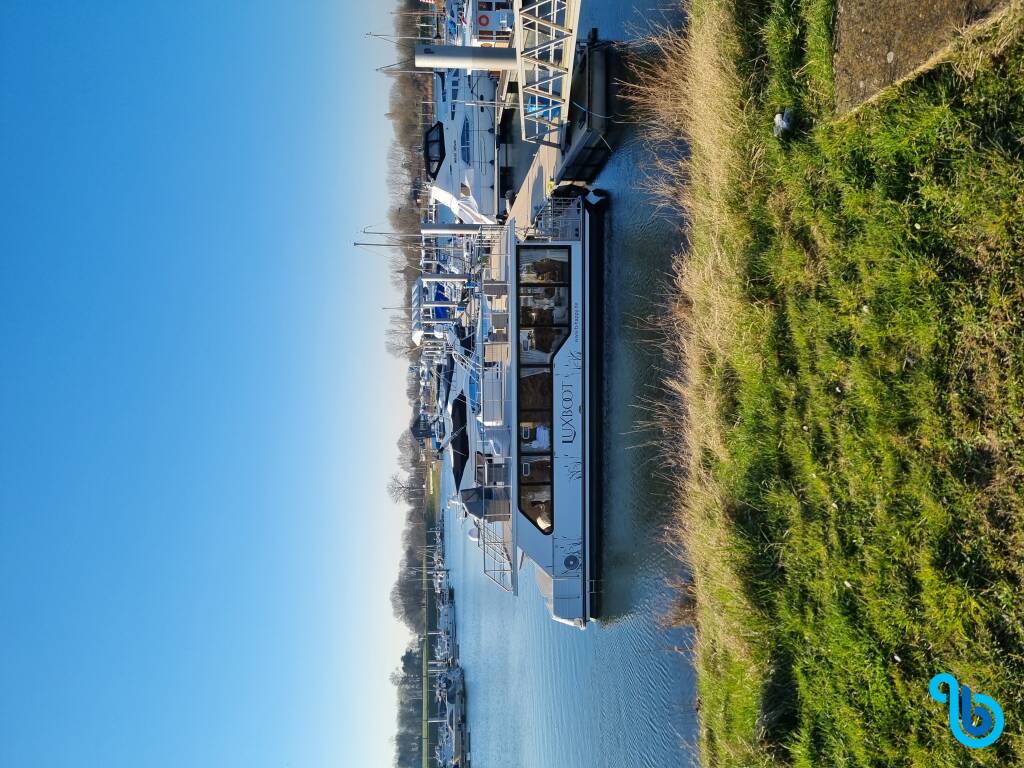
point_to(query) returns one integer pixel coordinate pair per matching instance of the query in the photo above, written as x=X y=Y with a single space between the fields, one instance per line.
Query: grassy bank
x=432 y=502
x=849 y=333
x=432 y=511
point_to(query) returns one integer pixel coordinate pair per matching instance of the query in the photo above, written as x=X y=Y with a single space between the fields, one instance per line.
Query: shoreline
x=828 y=444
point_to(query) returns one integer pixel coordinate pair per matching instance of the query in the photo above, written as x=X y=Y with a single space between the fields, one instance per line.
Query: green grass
x=851 y=328
x=432 y=499
x=432 y=511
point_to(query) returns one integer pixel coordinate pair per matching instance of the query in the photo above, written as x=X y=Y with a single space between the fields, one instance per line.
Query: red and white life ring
x=483 y=20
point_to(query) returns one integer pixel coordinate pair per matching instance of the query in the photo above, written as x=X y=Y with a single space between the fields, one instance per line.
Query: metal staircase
x=545 y=42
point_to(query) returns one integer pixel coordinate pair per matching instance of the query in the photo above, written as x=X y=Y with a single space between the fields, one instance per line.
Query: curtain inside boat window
x=465 y=144
x=543 y=300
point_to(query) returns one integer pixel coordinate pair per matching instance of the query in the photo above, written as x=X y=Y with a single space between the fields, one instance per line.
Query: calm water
x=541 y=694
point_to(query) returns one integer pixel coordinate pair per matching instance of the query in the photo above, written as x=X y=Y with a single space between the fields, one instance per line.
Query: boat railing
x=488 y=370
x=558 y=219
x=497 y=559
x=495 y=524
x=545 y=43
x=489 y=253
x=494 y=382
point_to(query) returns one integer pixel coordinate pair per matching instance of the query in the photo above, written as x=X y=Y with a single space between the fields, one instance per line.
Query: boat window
x=535 y=469
x=534 y=433
x=544 y=265
x=543 y=318
x=537 y=346
x=545 y=305
x=535 y=502
x=535 y=391
x=465 y=145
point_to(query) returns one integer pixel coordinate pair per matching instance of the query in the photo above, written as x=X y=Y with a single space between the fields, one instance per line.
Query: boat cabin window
x=535 y=391
x=537 y=346
x=535 y=469
x=535 y=432
x=464 y=143
x=545 y=306
x=543 y=321
x=544 y=265
x=535 y=502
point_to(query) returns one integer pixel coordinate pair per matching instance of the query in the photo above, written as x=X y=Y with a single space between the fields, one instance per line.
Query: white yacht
x=459 y=149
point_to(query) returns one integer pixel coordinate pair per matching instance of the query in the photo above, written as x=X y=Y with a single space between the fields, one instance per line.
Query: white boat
x=526 y=467
x=556 y=370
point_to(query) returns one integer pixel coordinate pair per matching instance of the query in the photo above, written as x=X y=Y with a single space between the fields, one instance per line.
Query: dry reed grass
x=687 y=89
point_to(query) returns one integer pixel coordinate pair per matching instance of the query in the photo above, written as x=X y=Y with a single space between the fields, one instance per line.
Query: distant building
x=491 y=22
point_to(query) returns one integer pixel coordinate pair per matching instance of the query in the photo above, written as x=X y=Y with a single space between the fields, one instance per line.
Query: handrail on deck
x=558 y=219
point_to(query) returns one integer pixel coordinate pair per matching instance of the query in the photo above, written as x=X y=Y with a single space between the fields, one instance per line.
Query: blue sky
x=197 y=416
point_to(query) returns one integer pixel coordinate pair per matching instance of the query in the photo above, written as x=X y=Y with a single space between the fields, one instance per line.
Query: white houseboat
x=527 y=415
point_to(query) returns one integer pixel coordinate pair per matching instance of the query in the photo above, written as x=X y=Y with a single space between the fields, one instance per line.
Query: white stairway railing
x=545 y=41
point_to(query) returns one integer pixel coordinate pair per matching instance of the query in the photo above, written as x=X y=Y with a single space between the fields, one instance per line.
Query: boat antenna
x=396 y=38
x=402 y=67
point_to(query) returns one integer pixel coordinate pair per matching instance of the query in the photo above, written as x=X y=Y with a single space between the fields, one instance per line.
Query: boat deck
x=536 y=184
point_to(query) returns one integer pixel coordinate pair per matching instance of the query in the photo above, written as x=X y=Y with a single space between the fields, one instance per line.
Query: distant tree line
x=407 y=680
x=405 y=182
